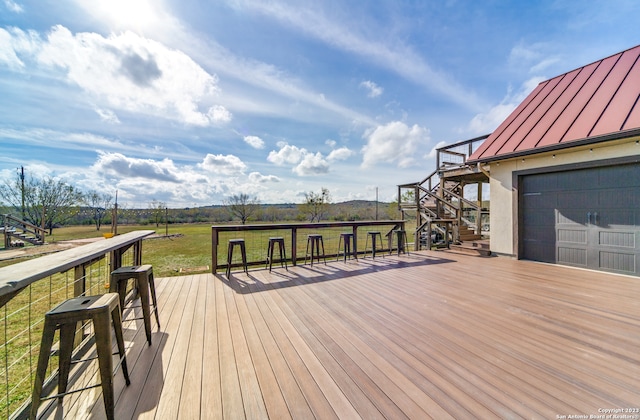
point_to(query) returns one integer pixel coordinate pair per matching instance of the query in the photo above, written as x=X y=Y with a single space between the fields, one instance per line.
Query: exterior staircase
x=444 y=217
x=16 y=232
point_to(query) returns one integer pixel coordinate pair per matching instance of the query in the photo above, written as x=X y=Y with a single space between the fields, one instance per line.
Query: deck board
x=426 y=335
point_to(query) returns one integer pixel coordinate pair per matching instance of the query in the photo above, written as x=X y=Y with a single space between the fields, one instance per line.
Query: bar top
x=18 y=276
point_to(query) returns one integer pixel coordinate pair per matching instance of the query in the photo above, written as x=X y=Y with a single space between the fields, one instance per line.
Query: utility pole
x=376 y=203
x=22 y=189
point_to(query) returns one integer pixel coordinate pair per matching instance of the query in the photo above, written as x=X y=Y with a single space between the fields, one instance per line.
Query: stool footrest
x=73 y=391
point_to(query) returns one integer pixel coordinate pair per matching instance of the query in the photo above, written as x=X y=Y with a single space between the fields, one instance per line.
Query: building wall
x=504 y=210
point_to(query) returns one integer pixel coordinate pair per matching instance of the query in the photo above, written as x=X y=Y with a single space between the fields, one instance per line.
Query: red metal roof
x=598 y=99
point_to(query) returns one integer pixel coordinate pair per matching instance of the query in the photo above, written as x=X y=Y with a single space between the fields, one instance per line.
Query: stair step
x=470 y=250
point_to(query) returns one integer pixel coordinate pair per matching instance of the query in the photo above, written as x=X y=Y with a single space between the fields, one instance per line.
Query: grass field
x=187 y=246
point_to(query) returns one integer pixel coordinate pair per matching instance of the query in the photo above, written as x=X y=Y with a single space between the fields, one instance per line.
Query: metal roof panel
x=596 y=106
x=595 y=100
x=616 y=112
x=529 y=134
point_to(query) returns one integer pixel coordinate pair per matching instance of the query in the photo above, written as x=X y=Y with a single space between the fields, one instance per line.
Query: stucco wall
x=504 y=196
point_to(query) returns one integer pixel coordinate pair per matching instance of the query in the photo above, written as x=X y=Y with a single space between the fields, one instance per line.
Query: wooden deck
x=428 y=335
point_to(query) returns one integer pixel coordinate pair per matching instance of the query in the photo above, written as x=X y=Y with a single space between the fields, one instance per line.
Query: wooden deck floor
x=429 y=335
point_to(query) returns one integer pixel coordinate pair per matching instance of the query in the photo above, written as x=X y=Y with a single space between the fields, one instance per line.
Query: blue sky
x=189 y=102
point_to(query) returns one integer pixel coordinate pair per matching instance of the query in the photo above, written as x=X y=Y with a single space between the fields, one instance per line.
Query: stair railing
x=13 y=224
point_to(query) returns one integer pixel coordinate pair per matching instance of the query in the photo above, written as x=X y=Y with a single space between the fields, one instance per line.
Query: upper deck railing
x=30 y=288
x=295 y=235
x=457 y=154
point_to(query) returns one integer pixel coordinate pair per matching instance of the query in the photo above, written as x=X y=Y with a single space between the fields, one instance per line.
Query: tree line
x=49 y=202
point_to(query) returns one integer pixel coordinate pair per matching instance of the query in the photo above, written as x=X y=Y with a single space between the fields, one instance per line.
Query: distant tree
x=47 y=201
x=316 y=204
x=158 y=209
x=99 y=205
x=242 y=206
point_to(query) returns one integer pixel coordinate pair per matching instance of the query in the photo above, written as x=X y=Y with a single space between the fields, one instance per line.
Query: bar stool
x=270 y=246
x=315 y=240
x=232 y=244
x=374 y=236
x=347 y=239
x=64 y=317
x=143 y=275
x=402 y=242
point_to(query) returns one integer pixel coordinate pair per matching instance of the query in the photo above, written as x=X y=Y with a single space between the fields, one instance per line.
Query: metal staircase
x=444 y=217
x=16 y=232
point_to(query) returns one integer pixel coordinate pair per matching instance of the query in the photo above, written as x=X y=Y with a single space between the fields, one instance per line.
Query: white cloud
x=257 y=177
x=223 y=164
x=312 y=164
x=330 y=143
x=219 y=114
x=396 y=143
x=118 y=165
x=108 y=116
x=254 y=141
x=122 y=72
x=286 y=154
x=9 y=49
x=306 y=163
x=12 y=6
x=340 y=154
x=374 y=89
x=534 y=57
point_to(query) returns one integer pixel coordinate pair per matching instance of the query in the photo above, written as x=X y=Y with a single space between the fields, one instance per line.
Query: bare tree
x=316 y=204
x=47 y=201
x=99 y=205
x=158 y=209
x=242 y=206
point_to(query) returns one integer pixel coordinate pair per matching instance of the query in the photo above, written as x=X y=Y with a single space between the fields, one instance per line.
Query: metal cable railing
x=46 y=282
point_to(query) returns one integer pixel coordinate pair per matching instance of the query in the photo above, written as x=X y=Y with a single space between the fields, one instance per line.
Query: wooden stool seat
x=315 y=240
x=347 y=239
x=102 y=310
x=283 y=253
x=143 y=274
x=232 y=244
x=374 y=236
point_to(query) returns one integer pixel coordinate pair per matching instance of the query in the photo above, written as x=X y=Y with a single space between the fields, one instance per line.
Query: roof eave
x=619 y=135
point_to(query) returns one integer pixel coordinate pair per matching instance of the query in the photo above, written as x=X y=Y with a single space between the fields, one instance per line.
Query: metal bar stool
x=315 y=241
x=402 y=242
x=232 y=244
x=270 y=246
x=65 y=317
x=143 y=275
x=346 y=239
x=374 y=236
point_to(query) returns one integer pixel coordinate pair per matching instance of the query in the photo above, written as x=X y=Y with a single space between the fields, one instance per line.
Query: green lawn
x=187 y=246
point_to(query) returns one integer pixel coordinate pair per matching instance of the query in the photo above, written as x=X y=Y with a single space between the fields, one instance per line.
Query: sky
x=189 y=102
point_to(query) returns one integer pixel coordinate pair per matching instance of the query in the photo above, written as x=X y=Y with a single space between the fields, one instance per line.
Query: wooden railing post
x=214 y=250
x=355 y=240
x=294 y=245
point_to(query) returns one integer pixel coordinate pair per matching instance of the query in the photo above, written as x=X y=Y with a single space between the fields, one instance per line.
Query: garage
x=584 y=217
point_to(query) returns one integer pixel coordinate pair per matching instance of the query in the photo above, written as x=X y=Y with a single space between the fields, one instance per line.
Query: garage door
x=587 y=218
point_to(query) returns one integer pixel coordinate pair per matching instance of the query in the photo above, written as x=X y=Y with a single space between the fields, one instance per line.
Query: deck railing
x=457 y=154
x=295 y=234
x=30 y=288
